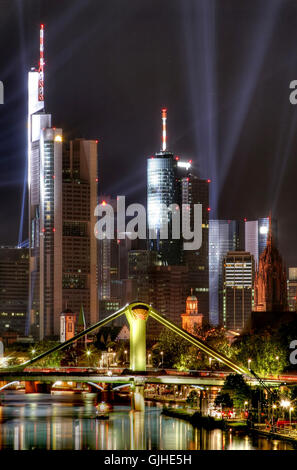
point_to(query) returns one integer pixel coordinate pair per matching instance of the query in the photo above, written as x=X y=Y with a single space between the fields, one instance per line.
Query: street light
x=286 y=404
x=290 y=411
x=162 y=357
x=273 y=408
x=126 y=352
x=249 y=363
x=149 y=359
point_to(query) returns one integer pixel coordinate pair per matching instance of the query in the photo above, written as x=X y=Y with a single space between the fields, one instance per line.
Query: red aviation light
x=209 y=209
x=164 y=133
x=190 y=161
x=245 y=219
x=209 y=181
x=54 y=229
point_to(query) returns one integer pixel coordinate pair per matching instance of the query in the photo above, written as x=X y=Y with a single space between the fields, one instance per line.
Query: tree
x=173 y=348
x=192 y=399
x=53 y=359
x=268 y=356
x=238 y=389
x=224 y=400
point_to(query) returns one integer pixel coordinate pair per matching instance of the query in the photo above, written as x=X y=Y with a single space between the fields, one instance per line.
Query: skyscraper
x=256 y=235
x=196 y=191
x=14 y=278
x=164 y=190
x=62 y=188
x=44 y=156
x=223 y=237
x=238 y=270
x=79 y=244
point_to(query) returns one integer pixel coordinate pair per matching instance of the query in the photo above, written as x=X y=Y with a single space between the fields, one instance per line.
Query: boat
x=102 y=411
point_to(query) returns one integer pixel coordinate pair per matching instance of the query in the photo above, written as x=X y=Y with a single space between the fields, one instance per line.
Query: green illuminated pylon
x=137 y=314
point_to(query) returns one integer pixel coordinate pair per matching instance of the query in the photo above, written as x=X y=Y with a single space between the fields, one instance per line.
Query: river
x=65 y=422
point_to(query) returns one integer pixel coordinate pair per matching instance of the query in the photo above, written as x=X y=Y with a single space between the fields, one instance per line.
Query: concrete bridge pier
x=37 y=387
x=204 y=403
x=138 y=398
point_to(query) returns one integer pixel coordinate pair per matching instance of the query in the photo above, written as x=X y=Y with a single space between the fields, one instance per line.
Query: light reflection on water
x=68 y=422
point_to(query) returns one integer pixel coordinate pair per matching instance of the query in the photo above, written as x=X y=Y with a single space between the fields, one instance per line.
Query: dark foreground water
x=68 y=422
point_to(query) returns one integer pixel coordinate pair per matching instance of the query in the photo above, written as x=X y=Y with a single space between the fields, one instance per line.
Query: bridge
x=137 y=314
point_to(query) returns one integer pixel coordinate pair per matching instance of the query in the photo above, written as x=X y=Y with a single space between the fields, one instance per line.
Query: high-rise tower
x=45 y=211
x=163 y=191
x=196 y=191
x=62 y=188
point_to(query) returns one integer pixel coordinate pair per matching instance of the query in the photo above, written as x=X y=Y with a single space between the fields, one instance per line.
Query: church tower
x=270 y=288
x=192 y=319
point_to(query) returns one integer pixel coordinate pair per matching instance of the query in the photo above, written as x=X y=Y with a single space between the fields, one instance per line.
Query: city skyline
x=103 y=111
x=148 y=264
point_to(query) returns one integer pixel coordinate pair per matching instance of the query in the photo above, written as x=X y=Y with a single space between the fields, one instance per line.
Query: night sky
x=222 y=68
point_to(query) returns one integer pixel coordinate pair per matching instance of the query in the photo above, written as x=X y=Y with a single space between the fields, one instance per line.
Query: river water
x=65 y=422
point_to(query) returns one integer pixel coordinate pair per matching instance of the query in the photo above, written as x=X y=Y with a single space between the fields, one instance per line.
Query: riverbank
x=195 y=418
x=274 y=435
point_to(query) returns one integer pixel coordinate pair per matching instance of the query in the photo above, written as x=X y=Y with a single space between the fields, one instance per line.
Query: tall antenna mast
x=41 y=65
x=164 y=136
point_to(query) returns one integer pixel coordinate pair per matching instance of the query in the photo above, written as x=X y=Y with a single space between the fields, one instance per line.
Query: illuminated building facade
x=62 y=193
x=14 y=279
x=224 y=236
x=196 y=191
x=192 y=320
x=164 y=173
x=270 y=280
x=238 y=271
x=67 y=325
x=163 y=188
x=168 y=291
x=79 y=244
x=256 y=235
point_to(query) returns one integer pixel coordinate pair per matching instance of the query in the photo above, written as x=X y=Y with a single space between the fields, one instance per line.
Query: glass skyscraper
x=163 y=189
x=223 y=237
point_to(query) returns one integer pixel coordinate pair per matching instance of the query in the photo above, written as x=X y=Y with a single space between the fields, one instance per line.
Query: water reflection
x=48 y=422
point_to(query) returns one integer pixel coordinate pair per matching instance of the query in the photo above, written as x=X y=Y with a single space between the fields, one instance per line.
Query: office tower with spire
x=270 y=279
x=164 y=190
x=45 y=211
x=62 y=192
